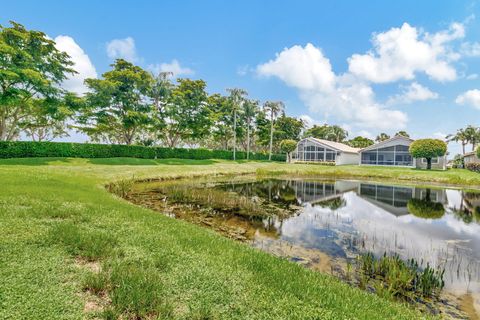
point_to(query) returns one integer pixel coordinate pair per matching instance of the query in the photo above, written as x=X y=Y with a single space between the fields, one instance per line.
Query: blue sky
x=369 y=66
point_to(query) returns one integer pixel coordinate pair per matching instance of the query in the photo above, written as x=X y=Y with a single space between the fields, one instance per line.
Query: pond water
x=324 y=223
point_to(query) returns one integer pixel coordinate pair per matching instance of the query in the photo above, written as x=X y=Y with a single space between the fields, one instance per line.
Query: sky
x=369 y=66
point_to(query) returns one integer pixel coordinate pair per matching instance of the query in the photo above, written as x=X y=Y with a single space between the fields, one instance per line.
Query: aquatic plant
x=390 y=276
x=121 y=188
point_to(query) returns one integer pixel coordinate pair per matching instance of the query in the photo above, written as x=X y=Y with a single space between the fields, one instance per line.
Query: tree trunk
x=248 y=139
x=234 y=133
x=429 y=163
x=271 y=137
x=463 y=148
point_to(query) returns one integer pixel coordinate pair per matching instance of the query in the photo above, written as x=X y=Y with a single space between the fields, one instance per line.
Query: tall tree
x=30 y=68
x=382 y=137
x=472 y=135
x=187 y=113
x=46 y=119
x=327 y=132
x=250 y=110
x=360 y=142
x=402 y=133
x=237 y=98
x=274 y=108
x=337 y=134
x=118 y=108
x=459 y=136
x=159 y=92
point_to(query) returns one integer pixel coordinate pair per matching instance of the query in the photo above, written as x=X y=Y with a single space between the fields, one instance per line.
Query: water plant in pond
x=390 y=276
x=121 y=188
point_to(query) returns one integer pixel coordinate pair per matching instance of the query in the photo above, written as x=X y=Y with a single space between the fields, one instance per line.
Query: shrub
x=473 y=166
x=30 y=149
x=428 y=149
x=288 y=146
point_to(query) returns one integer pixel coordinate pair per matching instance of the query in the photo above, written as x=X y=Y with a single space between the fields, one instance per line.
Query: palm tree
x=274 y=107
x=382 y=137
x=250 y=109
x=237 y=97
x=402 y=133
x=459 y=136
x=472 y=135
x=337 y=134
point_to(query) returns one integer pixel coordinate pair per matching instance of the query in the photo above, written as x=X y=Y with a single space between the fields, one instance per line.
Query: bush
x=473 y=166
x=30 y=149
x=428 y=149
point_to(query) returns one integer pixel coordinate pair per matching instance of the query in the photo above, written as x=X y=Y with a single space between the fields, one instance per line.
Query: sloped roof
x=377 y=145
x=338 y=146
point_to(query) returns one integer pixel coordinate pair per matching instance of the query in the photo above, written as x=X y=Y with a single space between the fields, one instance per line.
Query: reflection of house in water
x=313 y=192
x=394 y=199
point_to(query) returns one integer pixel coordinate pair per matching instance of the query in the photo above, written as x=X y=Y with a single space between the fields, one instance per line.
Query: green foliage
x=187 y=112
x=288 y=145
x=117 y=109
x=402 y=133
x=407 y=280
x=360 y=142
x=27 y=149
x=382 y=137
x=30 y=67
x=428 y=149
x=327 y=132
x=478 y=153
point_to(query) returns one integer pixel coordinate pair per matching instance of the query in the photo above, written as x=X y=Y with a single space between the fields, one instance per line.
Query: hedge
x=30 y=149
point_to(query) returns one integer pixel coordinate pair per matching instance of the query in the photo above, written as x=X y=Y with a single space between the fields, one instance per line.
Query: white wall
x=347 y=158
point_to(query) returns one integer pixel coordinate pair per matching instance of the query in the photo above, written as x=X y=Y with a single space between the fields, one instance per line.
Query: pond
x=325 y=225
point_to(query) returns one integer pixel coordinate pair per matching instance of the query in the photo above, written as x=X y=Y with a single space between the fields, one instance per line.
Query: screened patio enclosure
x=389 y=156
x=392 y=152
x=311 y=151
x=319 y=150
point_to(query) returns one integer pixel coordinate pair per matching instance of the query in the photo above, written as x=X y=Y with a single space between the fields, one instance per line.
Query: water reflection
x=343 y=218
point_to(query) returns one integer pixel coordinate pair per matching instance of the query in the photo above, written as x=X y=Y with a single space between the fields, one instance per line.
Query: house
x=319 y=150
x=470 y=157
x=394 y=152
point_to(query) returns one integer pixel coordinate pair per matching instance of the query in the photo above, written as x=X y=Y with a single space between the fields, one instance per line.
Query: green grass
x=56 y=212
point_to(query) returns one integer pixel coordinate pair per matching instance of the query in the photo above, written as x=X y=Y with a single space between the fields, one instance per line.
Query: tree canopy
x=428 y=149
x=30 y=68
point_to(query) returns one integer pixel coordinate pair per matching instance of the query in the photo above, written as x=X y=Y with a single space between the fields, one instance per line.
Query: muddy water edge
x=277 y=215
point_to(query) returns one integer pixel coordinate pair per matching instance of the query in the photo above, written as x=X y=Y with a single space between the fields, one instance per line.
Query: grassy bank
x=69 y=249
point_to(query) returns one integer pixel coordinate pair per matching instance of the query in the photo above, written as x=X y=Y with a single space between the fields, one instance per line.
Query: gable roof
x=379 y=144
x=338 y=146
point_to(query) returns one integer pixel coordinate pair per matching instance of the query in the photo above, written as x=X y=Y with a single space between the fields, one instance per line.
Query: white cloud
x=122 y=49
x=304 y=68
x=174 y=67
x=309 y=121
x=470 y=97
x=472 y=76
x=345 y=97
x=411 y=93
x=399 y=53
x=82 y=65
x=470 y=49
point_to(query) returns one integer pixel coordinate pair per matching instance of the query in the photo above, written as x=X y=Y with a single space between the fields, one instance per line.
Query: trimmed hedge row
x=30 y=149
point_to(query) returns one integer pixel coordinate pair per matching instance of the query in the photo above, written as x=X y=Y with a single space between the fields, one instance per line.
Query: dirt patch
x=93 y=266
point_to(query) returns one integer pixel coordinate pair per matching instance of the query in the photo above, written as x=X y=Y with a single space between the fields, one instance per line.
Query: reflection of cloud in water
x=445 y=242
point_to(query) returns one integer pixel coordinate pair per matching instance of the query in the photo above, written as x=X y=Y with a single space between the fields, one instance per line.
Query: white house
x=319 y=150
x=470 y=157
x=394 y=152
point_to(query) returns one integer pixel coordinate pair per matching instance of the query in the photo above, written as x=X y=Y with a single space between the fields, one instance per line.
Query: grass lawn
x=61 y=232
